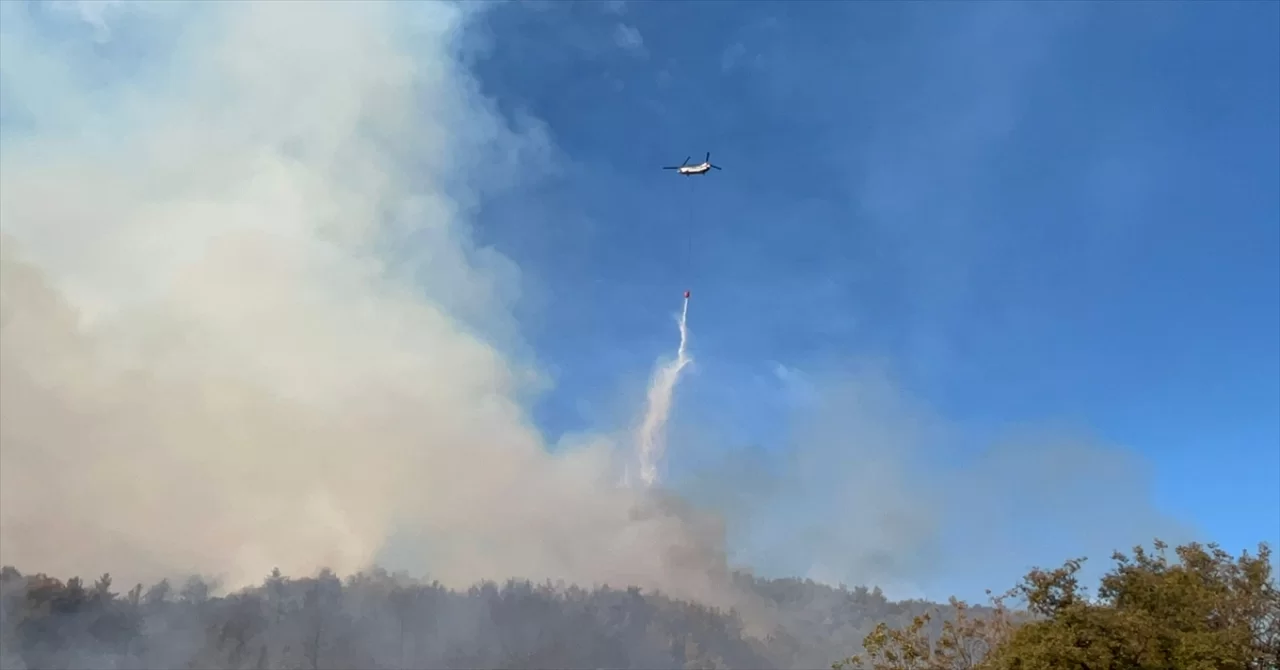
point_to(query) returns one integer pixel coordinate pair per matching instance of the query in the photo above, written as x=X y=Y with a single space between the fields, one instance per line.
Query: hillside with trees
x=1201 y=609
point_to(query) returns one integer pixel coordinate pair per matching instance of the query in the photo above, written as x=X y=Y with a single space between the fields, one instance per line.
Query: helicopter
x=688 y=170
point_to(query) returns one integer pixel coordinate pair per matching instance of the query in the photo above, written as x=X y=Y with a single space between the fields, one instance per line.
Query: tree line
x=1197 y=609
x=378 y=620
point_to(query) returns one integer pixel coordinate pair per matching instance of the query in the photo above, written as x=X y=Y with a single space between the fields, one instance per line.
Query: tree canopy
x=1192 y=608
x=378 y=620
x=1202 y=609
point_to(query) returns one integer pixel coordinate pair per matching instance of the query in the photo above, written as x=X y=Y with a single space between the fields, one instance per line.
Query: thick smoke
x=244 y=325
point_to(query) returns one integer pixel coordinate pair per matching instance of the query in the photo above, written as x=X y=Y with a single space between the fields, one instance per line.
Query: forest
x=1195 y=607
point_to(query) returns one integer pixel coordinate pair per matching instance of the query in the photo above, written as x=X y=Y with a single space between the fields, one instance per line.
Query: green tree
x=1206 y=610
x=964 y=642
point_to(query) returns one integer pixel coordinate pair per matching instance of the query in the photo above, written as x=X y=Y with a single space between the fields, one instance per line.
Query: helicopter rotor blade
x=715 y=166
x=708 y=158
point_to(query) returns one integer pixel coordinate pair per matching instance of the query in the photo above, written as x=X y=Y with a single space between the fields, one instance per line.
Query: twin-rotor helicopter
x=689 y=170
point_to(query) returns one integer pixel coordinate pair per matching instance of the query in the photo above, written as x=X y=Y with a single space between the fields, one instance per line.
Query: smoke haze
x=245 y=326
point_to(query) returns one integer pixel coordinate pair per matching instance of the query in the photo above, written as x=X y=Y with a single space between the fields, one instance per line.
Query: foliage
x=1202 y=610
x=376 y=620
x=962 y=643
x=1205 y=611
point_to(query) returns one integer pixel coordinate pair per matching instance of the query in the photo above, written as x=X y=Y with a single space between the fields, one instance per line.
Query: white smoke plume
x=651 y=438
x=244 y=325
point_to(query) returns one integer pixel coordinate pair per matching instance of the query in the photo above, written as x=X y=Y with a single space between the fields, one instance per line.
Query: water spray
x=652 y=439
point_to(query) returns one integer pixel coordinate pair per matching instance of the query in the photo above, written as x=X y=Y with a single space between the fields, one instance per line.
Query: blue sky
x=1029 y=213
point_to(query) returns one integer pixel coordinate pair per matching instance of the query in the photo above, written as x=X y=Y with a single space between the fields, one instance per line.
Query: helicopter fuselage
x=700 y=168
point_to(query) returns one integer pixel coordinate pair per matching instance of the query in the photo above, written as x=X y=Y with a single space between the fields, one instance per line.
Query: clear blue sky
x=1032 y=212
